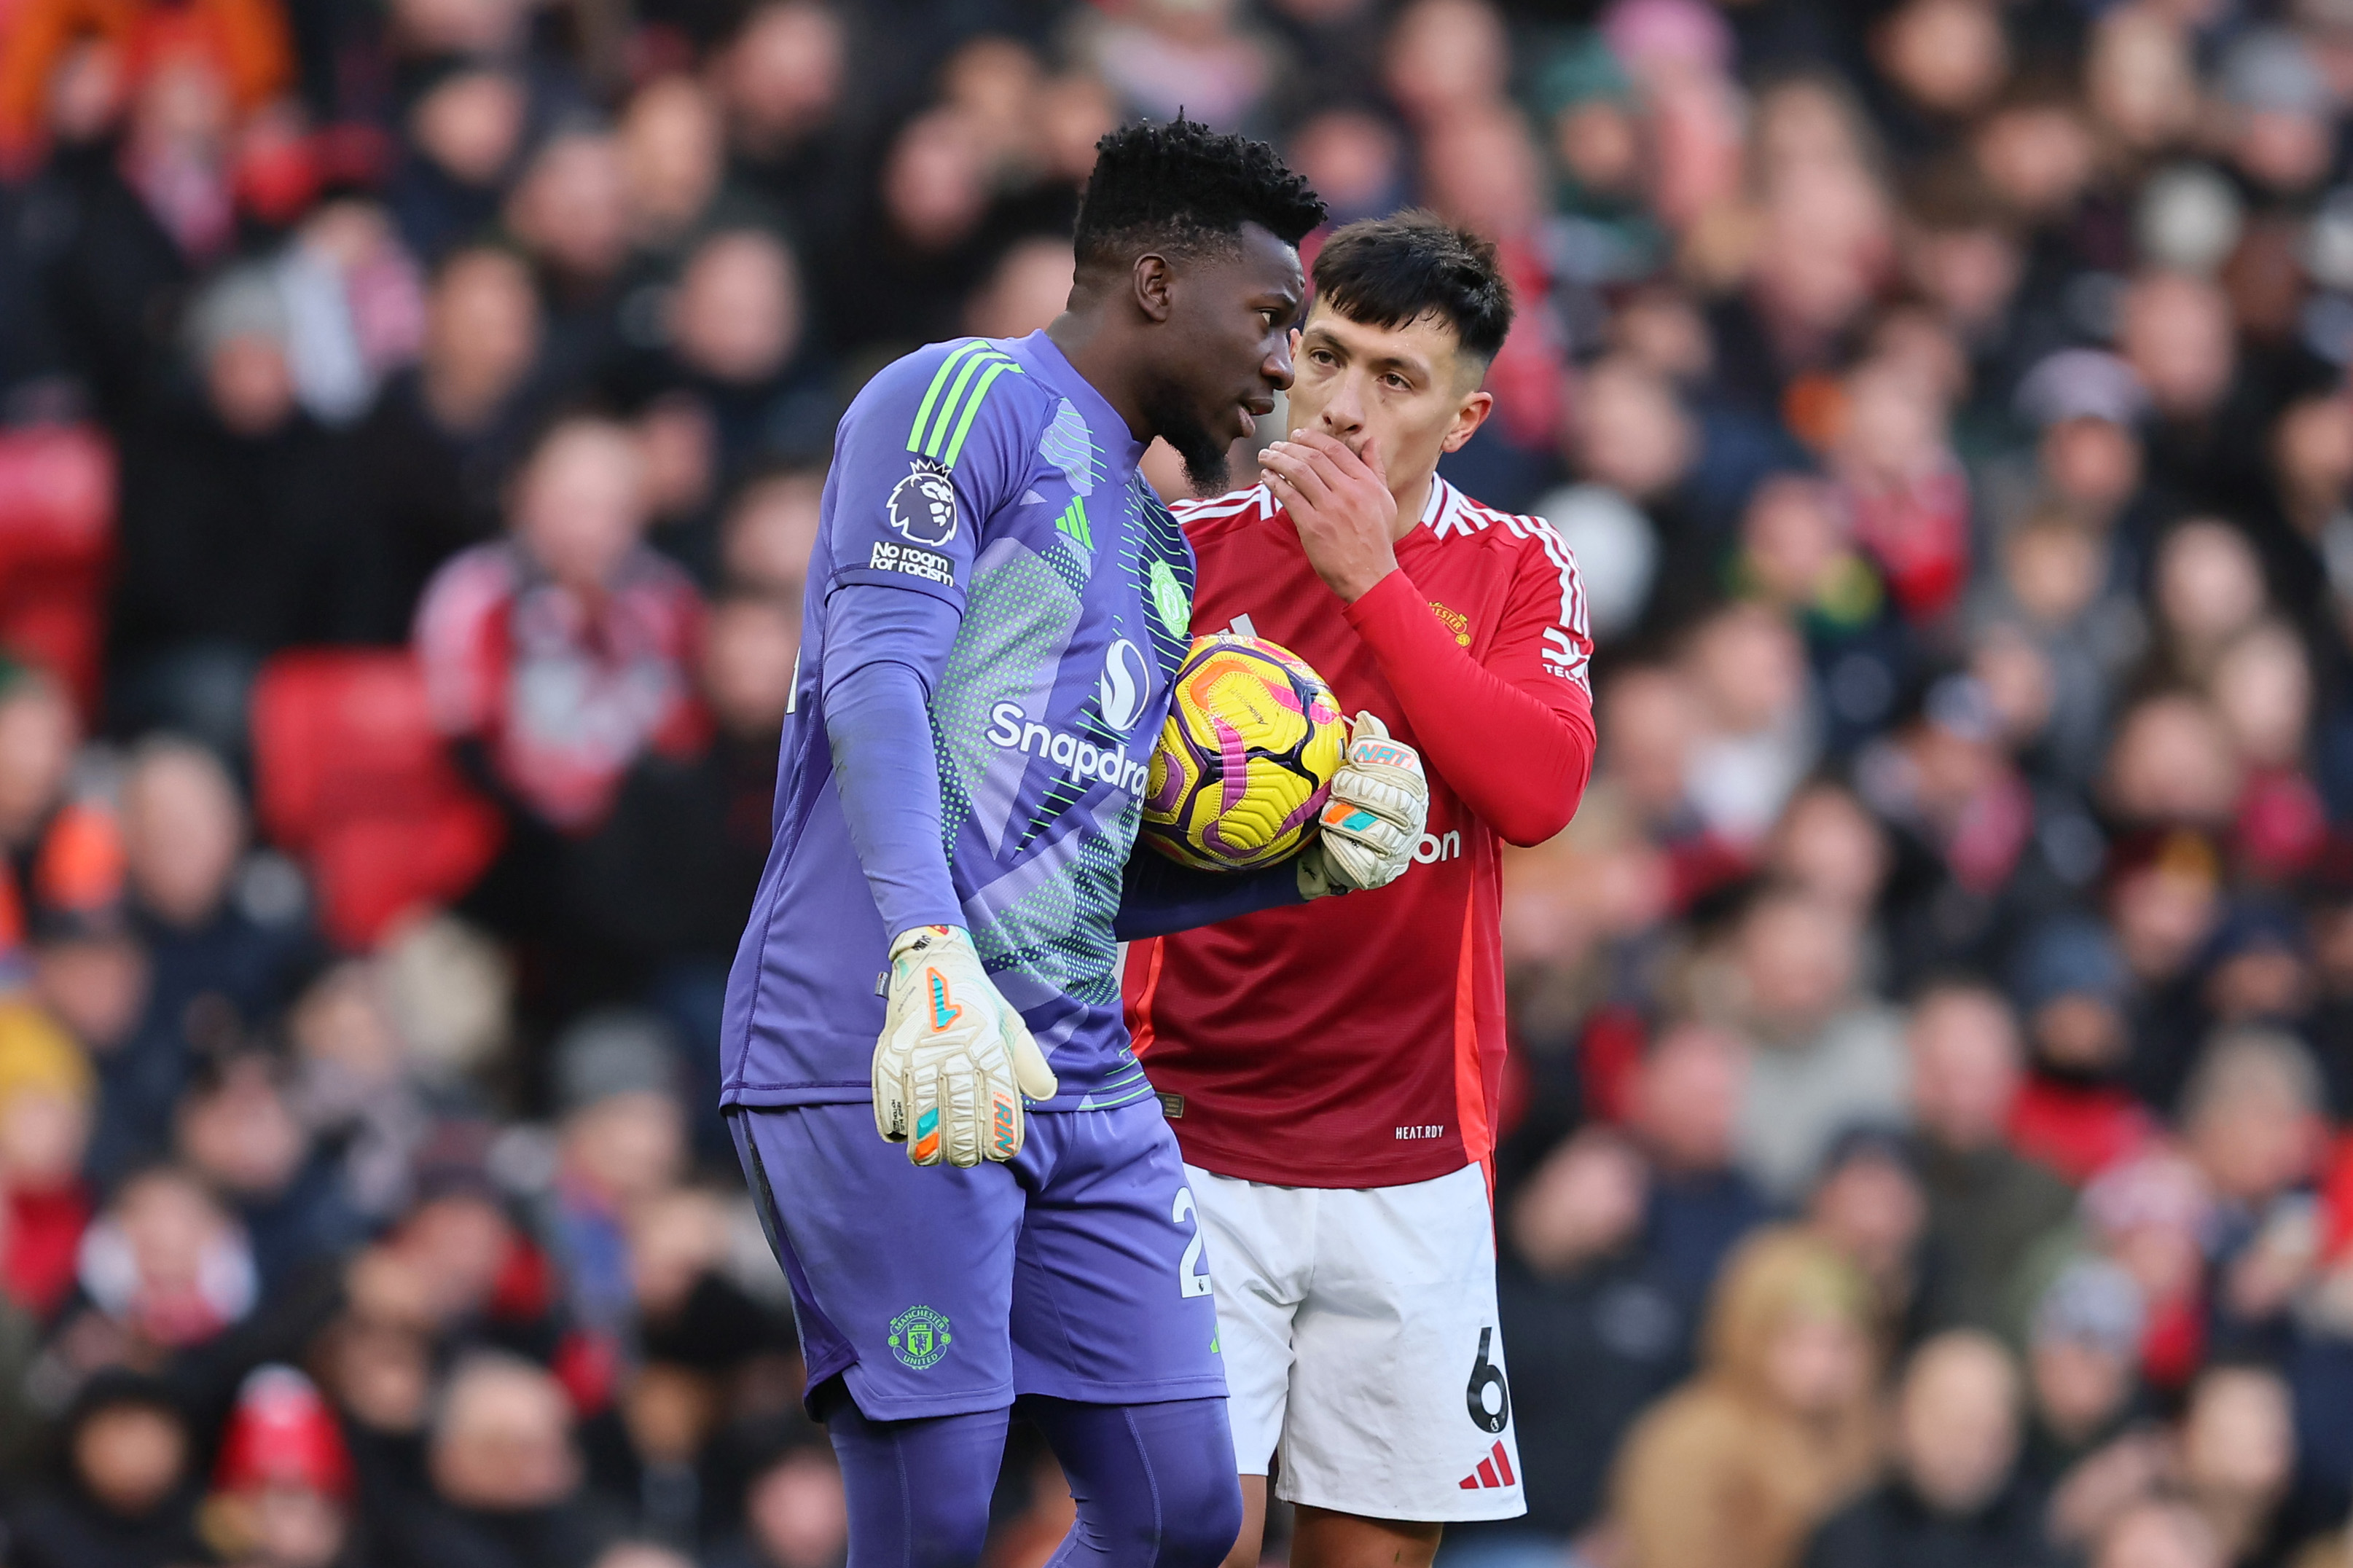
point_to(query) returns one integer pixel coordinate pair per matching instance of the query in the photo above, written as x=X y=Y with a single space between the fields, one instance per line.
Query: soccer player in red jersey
x=1331 y=1071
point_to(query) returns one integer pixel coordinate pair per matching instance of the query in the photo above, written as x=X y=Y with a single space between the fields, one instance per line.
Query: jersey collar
x=1039 y=352
x=1445 y=502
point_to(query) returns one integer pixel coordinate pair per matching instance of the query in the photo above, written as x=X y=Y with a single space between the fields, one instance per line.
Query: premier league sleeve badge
x=922 y=506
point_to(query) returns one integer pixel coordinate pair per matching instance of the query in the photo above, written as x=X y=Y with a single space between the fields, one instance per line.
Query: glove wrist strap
x=918 y=936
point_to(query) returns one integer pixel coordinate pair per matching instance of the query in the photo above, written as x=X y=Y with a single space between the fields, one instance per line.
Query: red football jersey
x=1358 y=1041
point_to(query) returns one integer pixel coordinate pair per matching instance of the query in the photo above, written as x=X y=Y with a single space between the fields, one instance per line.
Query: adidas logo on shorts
x=1495 y=1472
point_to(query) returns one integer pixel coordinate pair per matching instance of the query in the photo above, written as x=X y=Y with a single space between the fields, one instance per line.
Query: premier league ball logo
x=922 y=505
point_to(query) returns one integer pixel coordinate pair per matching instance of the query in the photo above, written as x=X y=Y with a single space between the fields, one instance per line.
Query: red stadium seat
x=56 y=540
x=349 y=774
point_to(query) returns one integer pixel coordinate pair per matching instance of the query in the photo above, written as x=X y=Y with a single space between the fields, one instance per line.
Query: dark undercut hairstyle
x=1181 y=188
x=1388 y=271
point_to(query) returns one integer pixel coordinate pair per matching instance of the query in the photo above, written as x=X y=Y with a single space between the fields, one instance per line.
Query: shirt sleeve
x=890 y=793
x=929 y=453
x=1160 y=897
x=924 y=459
x=1511 y=734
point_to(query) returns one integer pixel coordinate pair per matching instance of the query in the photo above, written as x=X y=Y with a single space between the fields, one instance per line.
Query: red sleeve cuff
x=1383 y=601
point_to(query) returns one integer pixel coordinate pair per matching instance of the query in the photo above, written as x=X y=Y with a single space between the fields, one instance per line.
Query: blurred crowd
x=1929 y=1136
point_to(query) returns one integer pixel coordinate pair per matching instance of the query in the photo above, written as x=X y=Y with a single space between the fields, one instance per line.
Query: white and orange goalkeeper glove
x=1372 y=820
x=955 y=1059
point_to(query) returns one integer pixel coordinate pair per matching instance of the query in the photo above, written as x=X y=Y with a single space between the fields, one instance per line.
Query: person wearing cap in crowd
x=46 y=1096
x=282 y=1486
x=2074 y=1112
x=621 y=1139
x=2258 y=973
x=2154 y=1214
x=2087 y=406
x=1593 y=113
x=2083 y=1363
x=2279 y=113
x=235 y=535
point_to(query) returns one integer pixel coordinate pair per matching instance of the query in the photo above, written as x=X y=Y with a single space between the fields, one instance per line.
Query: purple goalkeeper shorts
x=1075 y=1270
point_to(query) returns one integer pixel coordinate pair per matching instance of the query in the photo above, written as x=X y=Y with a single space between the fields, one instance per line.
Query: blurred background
x=1935 y=1036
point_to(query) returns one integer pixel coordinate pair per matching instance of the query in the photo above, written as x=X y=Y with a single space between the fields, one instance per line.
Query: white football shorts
x=1363 y=1354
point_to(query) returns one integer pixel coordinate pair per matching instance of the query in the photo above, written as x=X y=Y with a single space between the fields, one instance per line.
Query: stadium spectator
x=622 y=1144
x=1686 y=1104
x=794 y=1515
x=1776 y=1430
x=434 y=454
x=1987 y=1205
x=2082 y=1347
x=1870 y=1204
x=736 y=330
x=237 y=1131
x=235 y=540
x=2072 y=1111
x=125 y=1494
x=504 y=1472
x=2159 y=1532
x=1607 y=1327
x=163 y=1269
x=62 y=855
x=1954 y=1497
x=1827 y=1054
x=2238 y=1458
x=2154 y=1215
x=567 y=211
x=282 y=1487
x=46 y=1100
x=553 y=658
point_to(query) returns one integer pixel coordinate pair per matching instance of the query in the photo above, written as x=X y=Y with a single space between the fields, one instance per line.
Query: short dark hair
x=1182 y=187
x=1387 y=271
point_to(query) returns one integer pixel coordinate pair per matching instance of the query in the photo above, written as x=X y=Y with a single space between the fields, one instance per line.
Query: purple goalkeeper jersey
x=990 y=476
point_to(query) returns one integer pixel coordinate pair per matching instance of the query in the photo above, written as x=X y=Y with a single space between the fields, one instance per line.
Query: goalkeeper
x=1332 y=1074
x=996 y=606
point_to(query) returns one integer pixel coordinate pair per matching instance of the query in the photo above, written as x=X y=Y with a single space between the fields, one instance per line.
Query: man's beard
x=1207 y=468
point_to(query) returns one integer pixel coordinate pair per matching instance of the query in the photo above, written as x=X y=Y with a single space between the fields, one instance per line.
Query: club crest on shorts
x=919 y=1337
x=922 y=505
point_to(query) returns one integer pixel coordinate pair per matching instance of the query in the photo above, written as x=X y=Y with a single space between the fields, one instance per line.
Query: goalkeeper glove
x=1372 y=818
x=955 y=1059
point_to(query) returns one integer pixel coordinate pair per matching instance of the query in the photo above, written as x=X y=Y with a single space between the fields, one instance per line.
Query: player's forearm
x=1161 y=898
x=887 y=774
x=1517 y=761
